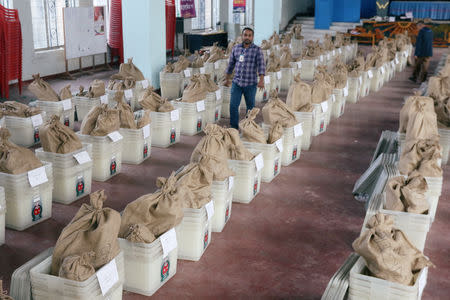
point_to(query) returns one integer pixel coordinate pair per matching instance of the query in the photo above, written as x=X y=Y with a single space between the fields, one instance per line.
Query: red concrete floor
x=289 y=241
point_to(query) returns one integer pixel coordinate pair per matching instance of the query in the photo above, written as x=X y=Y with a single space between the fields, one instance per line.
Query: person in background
x=249 y=62
x=423 y=52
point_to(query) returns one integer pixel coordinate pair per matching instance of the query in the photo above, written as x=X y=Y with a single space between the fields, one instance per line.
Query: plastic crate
x=247 y=181
x=275 y=82
x=329 y=110
x=308 y=69
x=2 y=215
x=296 y=46
x=286 y=79
x=84 y=104
x=192 y=120
x=434 y=186
x=226 y=98
x=193 y=234
x=338 y=105
x=213 y=107
x=171 y=85
x=66 y=116
x=220 y=67
x=292 y=144
x=319 y=124
x=222 y=196
x=166 y=128
x=26 y=205
x=376 y=82
x=22 y=131
x=354 y=88
x=135 y=147
x=364 y=287
x=72 y=180
x=146 y=270
x=272 y=158
x=106 y=156
x=45 y=286
x=306 y=118
x=132 y=101
x=445 y=144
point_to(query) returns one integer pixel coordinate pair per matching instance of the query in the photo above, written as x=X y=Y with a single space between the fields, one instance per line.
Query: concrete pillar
x=144 y=36
x=267 y=19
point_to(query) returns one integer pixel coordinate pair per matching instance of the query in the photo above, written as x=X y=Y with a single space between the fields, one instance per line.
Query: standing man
x=249 y=61
x=423 y=52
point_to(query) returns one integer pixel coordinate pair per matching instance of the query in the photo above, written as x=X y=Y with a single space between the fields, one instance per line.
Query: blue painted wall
x=323 y=14
x=368 y=9
x=347 y=10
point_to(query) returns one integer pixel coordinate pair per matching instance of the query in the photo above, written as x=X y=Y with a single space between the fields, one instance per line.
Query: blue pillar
x=144 y=36
x=267 y=19
x=346 y=10
x=323 y=14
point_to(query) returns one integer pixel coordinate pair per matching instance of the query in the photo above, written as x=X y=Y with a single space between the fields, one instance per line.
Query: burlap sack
x=157 y=212
x=196 y=180
x=3 y=295
x=404 y=113
x=215 y=54
x=182 y=64
x=214 y=146
x=198 y=61
x=439 y=86
x=297 y=30
x=321 y=90
x=128 y=70
x=97 y=89
x=211 y=86
x=58 y=138
x=17 y=109
x=139 y=233
x=196 y=90
x=299 y=96
x=252 y=132
x=275 y=110
x=78 y=267
x=235 y=148
x=144 y=119
x=100 y=121
x=286 y=57
x=205 y=57
x=15 y=159
x=93 y=228
x=388 y=252
x=275 y=132
x=422 y=121
x=152 y=101
x=327 y=42
x=168 y=68
x=265 y=45
x=126 y=115
x=42 y=90
x=65 y=93
x=81 y=92
x=275 y=38
x=442 y=109
x=322 y=72
x=421 y=155
x=407 y=194
x=273 y=64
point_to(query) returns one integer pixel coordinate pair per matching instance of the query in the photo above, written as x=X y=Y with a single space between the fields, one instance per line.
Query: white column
x=267 y=19
x=144 y=36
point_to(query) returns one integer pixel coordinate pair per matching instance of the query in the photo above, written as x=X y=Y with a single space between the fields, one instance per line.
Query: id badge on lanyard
x=241 y=57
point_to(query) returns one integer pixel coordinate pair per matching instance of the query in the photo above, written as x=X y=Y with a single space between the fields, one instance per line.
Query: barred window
x=47 y=20
x=7 y=3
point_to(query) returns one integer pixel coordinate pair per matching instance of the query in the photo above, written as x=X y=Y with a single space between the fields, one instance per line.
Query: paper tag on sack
x=324 y=106
x=370 y=74
x=259 y=162
x=340 y=50
x=333 y=52
x=216 y=65
x=299 y=64
x=104 y=99
x=37 y=176
x=146 y=131
x=345 y=91
x=396 y=60
x=360 y=80
x=218 y=94
x=328 y=56
x=144 y=83
x=405 y=54
x=321 y=58
x=175 y=115
x=168 y=241
x=279 y=145
x=36 y=120
x=187 y=73
x=230 y=182
x=267 y=79
x=392 y=64
x=333 y=97
x=279 y=74
x=115 y=136
x=298 y=130
x=200 y=105
x=209 y=209
x=82 y=157
x=107 y=276
x=202 y=70
x=67 y=104
x=382 y=69
x=128 y=93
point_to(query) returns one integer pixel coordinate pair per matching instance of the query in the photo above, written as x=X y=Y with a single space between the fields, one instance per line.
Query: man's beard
x=247 y=42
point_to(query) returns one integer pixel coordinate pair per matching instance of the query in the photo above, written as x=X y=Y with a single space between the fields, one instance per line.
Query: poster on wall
x=99 y=20
x=187 y=9
x=238 y=6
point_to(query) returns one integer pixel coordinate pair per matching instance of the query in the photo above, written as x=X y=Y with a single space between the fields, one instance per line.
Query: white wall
x=48 y=62
x=290 y=8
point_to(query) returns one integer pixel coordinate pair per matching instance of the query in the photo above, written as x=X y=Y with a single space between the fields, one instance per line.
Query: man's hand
x=415 y=57
x=261 y=83
x=228 y=82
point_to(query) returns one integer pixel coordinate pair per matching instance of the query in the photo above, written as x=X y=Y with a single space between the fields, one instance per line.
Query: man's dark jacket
x=424 y=43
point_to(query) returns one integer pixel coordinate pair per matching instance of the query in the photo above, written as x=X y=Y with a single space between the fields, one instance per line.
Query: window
x=6 y=3
x=47 y=19
x=203 y=10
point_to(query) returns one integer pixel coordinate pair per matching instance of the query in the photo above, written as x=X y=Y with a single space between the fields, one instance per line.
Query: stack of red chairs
x=170 y=25
x=115 y=30
x=10 y=49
